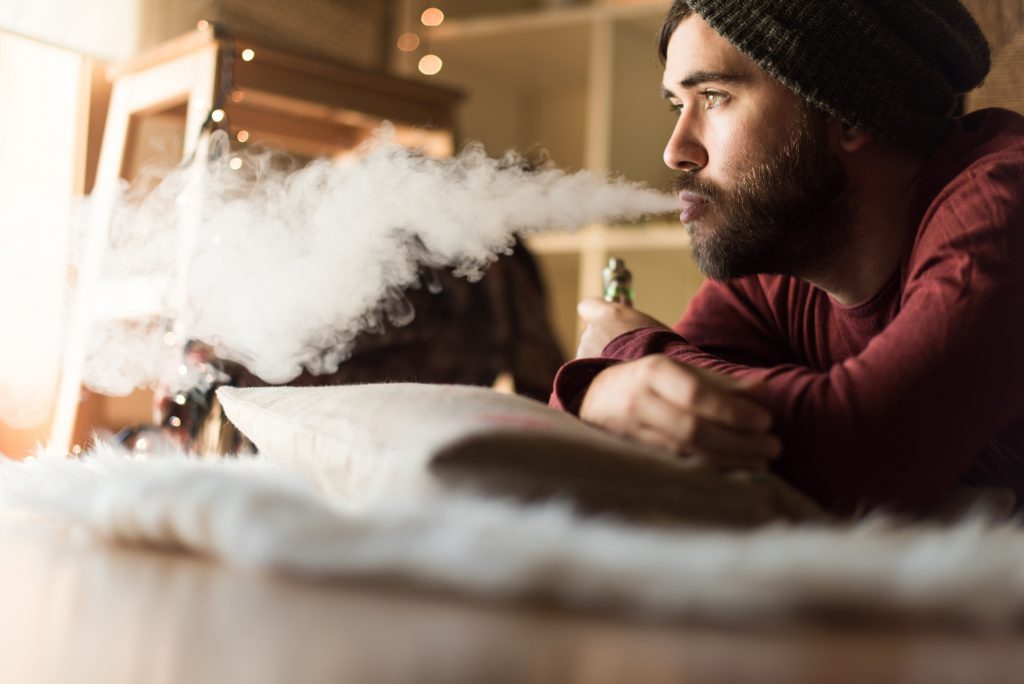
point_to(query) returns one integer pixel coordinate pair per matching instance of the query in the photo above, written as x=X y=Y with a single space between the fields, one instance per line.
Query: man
x=862 y=331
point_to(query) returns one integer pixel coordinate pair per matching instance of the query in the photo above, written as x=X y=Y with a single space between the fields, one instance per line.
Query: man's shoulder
x=980 y=161
x=981 y=140
x=972 y=196
x=992 y=121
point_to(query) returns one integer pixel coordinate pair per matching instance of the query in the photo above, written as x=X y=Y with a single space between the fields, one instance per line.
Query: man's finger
x=698 y=435
x=688 y=432
x=592 y=309
x=591 y=344
x=655 y=438
x=691 y=391
x=662 y=440
x=750 y=386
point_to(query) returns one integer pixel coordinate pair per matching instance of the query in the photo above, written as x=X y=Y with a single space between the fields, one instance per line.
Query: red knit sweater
x=891 y=401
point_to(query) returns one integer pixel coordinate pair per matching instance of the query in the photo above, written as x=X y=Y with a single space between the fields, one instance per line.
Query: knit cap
x=892 y=68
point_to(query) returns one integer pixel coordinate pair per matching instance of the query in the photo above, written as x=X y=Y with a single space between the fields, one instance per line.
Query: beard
x=789 y=214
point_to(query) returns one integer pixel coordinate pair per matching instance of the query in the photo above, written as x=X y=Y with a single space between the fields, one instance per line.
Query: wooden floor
x=76 y=610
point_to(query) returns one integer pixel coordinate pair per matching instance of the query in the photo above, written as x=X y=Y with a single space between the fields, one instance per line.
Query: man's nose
x=684 y=151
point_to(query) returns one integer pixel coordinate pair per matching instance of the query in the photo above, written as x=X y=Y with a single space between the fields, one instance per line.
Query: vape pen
x=618 y=282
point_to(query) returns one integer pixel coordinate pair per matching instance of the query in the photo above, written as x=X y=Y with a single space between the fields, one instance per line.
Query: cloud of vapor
x=286 y=265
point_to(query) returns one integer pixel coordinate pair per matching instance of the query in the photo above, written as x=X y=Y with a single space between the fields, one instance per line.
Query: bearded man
x=861 y=333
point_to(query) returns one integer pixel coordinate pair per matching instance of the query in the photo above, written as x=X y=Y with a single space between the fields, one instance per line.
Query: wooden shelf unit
x=159 y=101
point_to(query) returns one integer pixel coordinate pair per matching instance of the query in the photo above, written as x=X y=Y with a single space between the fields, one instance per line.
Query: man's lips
x=694 y=206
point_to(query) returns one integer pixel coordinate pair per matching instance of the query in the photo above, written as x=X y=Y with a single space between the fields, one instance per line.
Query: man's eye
x=712 y=99
x=676 y=108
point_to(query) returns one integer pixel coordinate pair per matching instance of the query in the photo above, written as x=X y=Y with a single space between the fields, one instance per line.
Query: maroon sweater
x=891 y=401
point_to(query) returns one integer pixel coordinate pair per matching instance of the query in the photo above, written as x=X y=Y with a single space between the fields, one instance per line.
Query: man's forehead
x=695 y=47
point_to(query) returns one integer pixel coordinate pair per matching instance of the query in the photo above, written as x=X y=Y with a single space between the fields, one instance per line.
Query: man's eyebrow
x=700 y=77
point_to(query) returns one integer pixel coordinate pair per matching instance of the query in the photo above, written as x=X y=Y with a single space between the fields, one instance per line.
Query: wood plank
x=343 y=87
x=78 y=610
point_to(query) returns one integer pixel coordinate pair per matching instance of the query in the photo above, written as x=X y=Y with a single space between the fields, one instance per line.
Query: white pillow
x=362 y=440
x=404 y=439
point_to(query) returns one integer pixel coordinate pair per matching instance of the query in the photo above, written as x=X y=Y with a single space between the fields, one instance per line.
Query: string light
x=235 y=163
x=248 y=54
x=180 y=399
x=242 y=136
x=430 y=65
x=237 y=96
x=76 y=449
x=432 y=17
x=183 y=370
x=175 y=421
x=407 y=42
x=170 y=339
x=217 y=115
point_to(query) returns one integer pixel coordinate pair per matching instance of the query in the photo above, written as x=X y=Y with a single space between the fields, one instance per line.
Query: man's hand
x=606 y=321
x=687 y=410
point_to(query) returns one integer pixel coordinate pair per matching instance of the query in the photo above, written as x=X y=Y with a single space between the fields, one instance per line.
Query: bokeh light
x=407 y=42
x=430 y=65
x=432 y=17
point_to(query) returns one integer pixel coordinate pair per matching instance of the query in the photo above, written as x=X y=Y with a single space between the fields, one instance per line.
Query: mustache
x=689 y=182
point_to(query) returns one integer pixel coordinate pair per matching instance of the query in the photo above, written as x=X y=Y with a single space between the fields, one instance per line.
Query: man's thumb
x=591 y=309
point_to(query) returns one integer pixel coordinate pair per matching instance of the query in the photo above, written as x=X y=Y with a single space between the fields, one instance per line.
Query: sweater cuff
x=641 y=342
x=573 y=381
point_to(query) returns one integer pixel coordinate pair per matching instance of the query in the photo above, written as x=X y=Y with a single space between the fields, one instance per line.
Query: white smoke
x=289 y=264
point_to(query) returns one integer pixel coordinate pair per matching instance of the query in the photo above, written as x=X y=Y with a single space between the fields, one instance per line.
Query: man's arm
x=900 y=422
x=683 y=409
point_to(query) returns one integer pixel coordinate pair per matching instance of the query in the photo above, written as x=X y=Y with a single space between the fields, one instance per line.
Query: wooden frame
x=307 y=105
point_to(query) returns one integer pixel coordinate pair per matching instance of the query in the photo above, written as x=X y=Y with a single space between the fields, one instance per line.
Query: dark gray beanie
x=893 y=68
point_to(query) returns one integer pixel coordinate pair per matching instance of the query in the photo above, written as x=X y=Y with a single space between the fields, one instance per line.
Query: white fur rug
x=261 y=515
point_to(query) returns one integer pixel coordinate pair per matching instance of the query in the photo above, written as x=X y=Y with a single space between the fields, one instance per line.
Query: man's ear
x=848 y=138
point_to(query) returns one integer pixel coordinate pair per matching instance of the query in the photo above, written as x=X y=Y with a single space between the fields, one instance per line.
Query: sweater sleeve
x=731 y=321
x=898 y=423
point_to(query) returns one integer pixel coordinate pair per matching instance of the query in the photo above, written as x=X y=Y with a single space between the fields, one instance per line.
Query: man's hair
x=892 y=68
x=679 y=11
